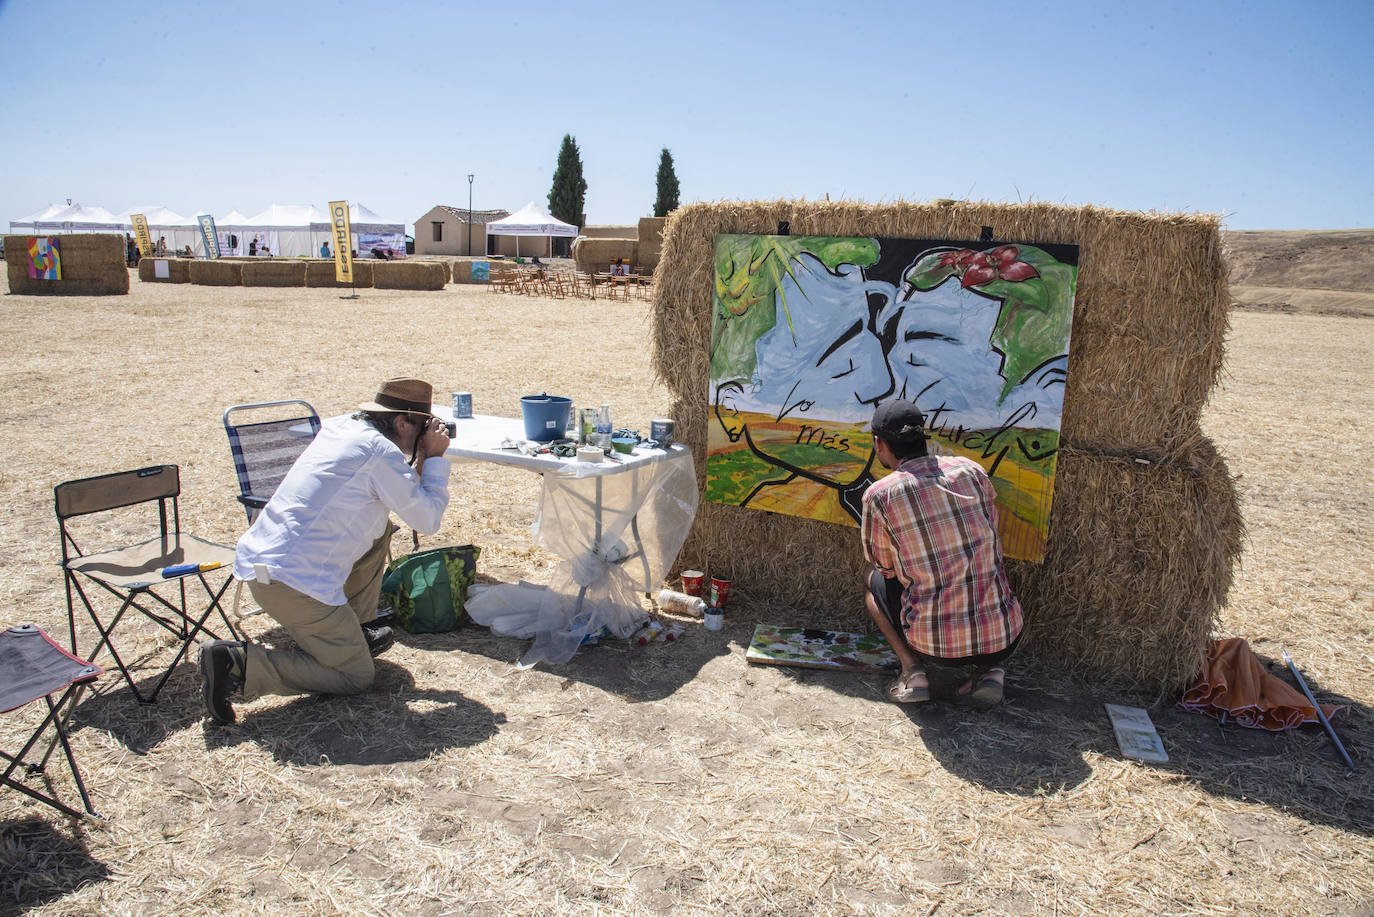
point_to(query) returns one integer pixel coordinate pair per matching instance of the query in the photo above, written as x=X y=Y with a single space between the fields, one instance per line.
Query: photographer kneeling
x=314 y=557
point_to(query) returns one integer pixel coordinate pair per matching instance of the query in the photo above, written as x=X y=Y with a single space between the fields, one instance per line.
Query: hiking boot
x=221 y=669
x=379 y=637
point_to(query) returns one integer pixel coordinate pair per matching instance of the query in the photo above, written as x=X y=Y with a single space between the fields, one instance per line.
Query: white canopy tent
x=25 y=224
x=76 y=218
x=532 y=220
x=369 y=231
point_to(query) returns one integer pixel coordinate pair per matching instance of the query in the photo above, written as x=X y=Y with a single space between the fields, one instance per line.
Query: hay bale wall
x=216 y=272
x=1140 y=556
x=408 y=275
x=178 y=270
x=92 y=265
x=273 y=273
x=321 y=274
x=650 y=241
x=594 y=256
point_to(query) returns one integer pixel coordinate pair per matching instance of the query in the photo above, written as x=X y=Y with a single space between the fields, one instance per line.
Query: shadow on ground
x=39 y=864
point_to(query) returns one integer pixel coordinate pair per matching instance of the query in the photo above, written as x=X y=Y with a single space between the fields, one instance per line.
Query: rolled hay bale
x=1150 y=318
x=650 y=241
x=408 y=275
x=217 y=272
x=273 y=273
x=594 y=256
x=178 y=270
x=92 y=265
x=322 y=274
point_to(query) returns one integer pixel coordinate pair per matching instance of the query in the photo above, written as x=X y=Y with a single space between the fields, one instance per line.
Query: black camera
x=451 y=426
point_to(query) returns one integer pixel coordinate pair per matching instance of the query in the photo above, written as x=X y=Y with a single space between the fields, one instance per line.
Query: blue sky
x=1258 y=111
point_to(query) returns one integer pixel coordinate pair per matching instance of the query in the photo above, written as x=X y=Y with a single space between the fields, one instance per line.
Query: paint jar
x=681 y=603
x=720 y=591
x=715 y=619
x=691 y=581
x=661 y=431
x=462 y=405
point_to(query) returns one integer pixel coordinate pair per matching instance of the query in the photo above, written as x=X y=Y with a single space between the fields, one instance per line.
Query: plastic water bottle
x=681 y=603
x=603 y=428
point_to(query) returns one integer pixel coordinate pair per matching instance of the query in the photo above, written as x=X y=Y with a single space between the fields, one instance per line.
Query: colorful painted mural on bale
x=45 y=259
x=810 y=333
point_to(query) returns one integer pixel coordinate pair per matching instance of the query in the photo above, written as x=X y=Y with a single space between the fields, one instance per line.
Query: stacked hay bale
x=322 y=274
x=1146 y=525
x=408 y=275
x=217 y=272
x=92 y=265
x=273 y=273
x=650 y=242
x=178 y=270
x=594 y=256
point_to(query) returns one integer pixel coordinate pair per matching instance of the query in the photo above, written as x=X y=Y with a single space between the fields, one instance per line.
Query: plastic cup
x=691 y=581
x=720 y=591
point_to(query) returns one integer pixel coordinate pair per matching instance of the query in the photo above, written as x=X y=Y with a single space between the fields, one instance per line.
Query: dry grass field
x=668 y=779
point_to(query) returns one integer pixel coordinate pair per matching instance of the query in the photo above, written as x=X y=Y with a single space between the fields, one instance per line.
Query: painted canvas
x=45 y=259
x=810 y=333
x=820 y=649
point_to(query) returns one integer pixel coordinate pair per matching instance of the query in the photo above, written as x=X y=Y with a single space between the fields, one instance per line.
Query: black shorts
x=888 y=594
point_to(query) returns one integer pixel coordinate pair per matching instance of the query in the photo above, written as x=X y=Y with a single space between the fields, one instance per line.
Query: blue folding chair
x=266 y=439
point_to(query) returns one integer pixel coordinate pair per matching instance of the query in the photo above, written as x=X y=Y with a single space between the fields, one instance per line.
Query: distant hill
x=1328 y=271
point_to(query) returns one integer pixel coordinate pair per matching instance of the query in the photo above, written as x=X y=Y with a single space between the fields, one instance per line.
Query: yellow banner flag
x=145 y=241
x=343 y=241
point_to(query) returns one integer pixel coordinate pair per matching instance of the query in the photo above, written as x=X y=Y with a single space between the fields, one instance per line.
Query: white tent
x=79 y=218
x=369 y=231
x=283 y=228
x=25 y=224
x=179 y=231
x=531 y=220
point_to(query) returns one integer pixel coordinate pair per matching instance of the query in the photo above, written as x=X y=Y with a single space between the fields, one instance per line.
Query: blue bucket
x=546 y=416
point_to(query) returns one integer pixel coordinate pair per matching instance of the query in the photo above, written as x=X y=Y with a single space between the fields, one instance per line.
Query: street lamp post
x=470 y=177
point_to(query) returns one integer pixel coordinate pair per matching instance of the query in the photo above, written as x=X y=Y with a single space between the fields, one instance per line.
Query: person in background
x=253 y=247
x=130 y=250
x=938 y=588
x=162 y=245
x=264 y=250
x=314 y=557
x=324 y=250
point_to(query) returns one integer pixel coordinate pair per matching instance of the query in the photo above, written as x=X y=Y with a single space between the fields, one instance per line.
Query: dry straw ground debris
x=669 y=779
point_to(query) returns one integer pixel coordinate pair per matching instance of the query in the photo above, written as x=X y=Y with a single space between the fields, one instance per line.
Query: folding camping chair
x=265 y=449
x=138 y=574
x=32 y=666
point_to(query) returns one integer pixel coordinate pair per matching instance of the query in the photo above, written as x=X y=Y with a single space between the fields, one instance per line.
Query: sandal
x=983 y=691
x=902 y=691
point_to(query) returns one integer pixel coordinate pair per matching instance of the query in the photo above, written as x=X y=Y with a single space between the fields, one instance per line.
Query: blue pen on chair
x=183 y=569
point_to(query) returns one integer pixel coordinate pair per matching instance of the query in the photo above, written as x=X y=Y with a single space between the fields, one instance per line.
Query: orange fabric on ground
x=1235 y=685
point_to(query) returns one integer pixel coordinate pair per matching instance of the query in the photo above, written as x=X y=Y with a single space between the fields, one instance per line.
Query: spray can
x=681 y=603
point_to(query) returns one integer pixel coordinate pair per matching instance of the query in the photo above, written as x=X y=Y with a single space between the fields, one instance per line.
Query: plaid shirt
x=933 y=525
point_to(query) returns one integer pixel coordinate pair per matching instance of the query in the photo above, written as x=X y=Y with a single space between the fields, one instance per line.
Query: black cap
x=899 y=422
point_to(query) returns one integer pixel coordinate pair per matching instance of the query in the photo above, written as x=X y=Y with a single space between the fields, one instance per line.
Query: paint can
x=661 y=431
x=691 y=581
x=720 y=591
x=715 y=619
x=462 y=405
x=586 y=431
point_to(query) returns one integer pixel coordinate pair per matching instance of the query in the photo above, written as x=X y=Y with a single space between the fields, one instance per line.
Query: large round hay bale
x=92 y=265
x=322 y=274
x=595 y=256
x=217 y=272
x=178 y=270
x=274 y=273
x=408 y=275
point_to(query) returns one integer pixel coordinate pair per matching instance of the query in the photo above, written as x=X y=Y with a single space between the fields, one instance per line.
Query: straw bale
x=1150 y=321
x=92 y=265
x=270 y=272
x=407 y=275
x=650 y=241
x=217 y=272
x=594 y=256
x=322 y=273
x=178 y=270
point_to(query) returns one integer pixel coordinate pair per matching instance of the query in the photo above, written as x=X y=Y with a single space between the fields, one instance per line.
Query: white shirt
x=333 y=504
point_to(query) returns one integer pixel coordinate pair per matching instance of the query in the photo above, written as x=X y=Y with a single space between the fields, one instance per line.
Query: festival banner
x=145 y=241
x=208 y=235
x=343 y=237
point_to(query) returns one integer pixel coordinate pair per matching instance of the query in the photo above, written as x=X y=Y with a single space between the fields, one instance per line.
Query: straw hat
x=402 y=396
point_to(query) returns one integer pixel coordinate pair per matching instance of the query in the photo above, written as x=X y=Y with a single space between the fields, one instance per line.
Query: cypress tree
x=667 y=185
x=569 y=193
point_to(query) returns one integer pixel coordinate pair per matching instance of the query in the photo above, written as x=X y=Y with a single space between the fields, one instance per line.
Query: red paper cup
x=691 y=581
x=720 y=591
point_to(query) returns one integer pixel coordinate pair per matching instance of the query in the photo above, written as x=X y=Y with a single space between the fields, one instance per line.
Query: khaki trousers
x=332 y=657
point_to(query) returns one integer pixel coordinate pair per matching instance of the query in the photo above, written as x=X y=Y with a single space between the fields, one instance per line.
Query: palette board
x=820 y=649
